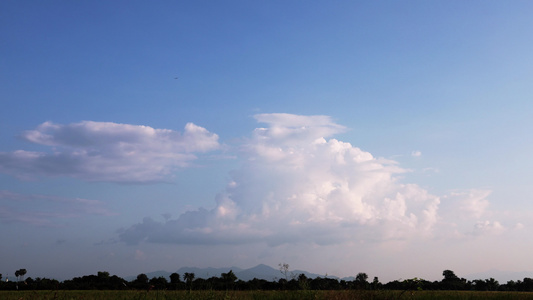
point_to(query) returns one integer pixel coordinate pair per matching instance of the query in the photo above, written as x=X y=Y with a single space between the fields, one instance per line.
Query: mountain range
x=260 y=272
x=268 y=273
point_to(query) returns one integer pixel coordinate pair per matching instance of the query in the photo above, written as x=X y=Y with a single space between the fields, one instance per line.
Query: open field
x=258 y=295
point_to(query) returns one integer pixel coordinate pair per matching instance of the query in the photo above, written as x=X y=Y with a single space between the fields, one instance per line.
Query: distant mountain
x=206 y=272
x=260 y=272
x=271 y=274
x=314 y=275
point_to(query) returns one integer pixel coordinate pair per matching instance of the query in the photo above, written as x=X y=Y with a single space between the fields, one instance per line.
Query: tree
x=480 y=285
x=526 y=284
x=375 y=283
x=361 y=281
x=141 y=282
x=492 y=284
x=451 y=281
x=284 y=269
x=142 y=278
x=228 y=278
x=22 y=273
x=158 y=283
x=175 y=280
x=303 y=282
x=189 y=277
x=103 y=275
x=20 y=276
x=449 y=275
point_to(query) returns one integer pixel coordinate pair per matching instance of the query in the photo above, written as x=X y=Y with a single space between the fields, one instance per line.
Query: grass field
x=258 y=295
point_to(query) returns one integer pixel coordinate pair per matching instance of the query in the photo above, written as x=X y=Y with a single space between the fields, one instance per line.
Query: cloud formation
x=105 y=151
x=296 y=185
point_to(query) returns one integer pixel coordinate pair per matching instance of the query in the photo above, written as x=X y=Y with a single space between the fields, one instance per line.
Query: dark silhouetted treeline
x=228 y=281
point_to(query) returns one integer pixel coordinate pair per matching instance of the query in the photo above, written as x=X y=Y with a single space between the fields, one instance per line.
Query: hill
x=260 y=271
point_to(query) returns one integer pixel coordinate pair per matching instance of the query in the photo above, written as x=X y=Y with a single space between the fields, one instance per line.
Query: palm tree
x=22 y=273
x=189 y=277
x=17 y=274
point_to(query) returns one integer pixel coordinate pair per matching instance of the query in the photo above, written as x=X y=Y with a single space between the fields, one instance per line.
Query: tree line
x=229 y=281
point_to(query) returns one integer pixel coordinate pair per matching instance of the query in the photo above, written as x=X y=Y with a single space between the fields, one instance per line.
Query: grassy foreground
x=258 y=295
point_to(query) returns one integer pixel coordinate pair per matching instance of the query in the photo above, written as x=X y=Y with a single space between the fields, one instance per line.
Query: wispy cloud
x=43 y=210
x=416 y=153
x=105 y=151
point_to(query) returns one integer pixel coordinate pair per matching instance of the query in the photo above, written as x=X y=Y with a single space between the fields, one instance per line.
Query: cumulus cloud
x=42 y=210
x=490 y=227
x=105 y=151
x=297 y=184
x=465 y=214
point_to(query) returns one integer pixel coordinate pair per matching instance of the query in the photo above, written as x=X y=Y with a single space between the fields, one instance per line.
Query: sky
x=391 y=138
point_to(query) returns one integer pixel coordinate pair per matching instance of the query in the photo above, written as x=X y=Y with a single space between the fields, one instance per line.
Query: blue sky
x=339 y=137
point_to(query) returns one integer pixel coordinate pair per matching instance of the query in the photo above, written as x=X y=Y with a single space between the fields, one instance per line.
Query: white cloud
x=466 y=205
x=104 y=151
x=474 y=202
x=290 y=129
x=466 y=214
x=297 y=186
x=416 y=153
x=490 y=227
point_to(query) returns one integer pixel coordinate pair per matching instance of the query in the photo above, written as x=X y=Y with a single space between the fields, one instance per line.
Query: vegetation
x=259 y=295
x=289 y=286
